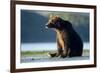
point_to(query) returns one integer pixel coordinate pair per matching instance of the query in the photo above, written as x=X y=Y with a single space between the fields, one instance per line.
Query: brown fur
x=68 y=41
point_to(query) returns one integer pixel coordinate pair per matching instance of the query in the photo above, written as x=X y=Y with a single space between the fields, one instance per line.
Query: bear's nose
x=46 y=25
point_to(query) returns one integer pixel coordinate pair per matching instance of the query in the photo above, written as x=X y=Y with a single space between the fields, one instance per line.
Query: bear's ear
x=54 y=16
x=51 y=15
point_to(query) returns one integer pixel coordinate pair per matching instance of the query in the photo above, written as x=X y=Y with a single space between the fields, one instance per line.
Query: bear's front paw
x=63 y=55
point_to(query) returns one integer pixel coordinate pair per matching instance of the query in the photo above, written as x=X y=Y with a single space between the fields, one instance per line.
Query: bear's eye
x=52 y=21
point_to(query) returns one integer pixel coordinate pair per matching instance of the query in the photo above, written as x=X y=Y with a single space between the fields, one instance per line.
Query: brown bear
x=69 y=43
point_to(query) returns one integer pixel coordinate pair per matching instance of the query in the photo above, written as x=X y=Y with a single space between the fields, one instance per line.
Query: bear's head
x=54 y=22
x=57 y=23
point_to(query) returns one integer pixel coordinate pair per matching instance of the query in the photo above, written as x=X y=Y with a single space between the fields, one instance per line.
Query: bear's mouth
x=48 y=26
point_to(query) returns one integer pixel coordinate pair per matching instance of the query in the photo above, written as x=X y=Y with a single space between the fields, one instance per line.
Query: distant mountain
x=33 y=26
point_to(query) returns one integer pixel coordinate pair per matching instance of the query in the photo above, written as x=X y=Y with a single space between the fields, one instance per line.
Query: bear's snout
x=48 y=25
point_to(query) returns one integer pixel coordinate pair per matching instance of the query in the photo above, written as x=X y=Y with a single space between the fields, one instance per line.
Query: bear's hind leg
x=52 y=54
x=58 y=53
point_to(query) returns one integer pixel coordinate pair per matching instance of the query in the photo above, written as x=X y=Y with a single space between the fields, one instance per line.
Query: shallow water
x=44 y=46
